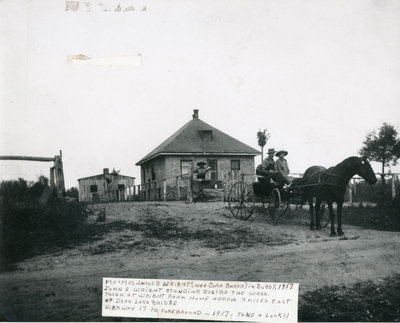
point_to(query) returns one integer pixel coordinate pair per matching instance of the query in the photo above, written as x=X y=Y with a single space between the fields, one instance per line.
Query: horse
x=330 y=185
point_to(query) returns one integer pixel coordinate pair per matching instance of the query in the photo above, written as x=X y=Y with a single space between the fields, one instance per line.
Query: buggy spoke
x=243 y=205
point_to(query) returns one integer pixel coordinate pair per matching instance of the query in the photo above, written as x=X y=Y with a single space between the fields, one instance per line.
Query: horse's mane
x=348 y=161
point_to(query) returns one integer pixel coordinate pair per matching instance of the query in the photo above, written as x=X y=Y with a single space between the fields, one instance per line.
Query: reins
x=320 y=181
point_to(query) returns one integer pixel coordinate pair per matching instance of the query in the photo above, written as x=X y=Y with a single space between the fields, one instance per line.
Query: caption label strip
x=200 y=300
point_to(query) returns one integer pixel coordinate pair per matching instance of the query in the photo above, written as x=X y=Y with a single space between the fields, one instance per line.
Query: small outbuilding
x=106 y=187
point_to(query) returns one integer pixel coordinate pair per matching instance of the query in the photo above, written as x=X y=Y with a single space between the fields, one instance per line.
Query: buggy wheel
x=241 y=201
x=324 y=215
x=277 y=207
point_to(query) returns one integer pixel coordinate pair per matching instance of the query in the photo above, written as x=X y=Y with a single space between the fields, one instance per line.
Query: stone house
x=170 y=163
x=106 y=187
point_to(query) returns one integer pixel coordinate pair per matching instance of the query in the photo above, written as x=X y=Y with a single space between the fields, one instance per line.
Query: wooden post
x=165 y=189
x=225 y=196
x=52 y=184
x=178 y=190
x=350 y=194
x=59 y=174
x=189 y=190
x=393 y=187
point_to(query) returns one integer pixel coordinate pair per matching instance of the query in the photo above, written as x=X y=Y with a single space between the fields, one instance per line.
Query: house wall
x=159 y=168
x=173 y=165
x=169 y=167
x=106 y=192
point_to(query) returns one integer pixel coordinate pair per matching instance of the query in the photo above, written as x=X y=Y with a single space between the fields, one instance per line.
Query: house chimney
x=105 y=171
x=195 y=114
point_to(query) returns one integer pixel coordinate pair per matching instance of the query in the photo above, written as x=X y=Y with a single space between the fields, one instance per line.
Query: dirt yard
x=191 y=241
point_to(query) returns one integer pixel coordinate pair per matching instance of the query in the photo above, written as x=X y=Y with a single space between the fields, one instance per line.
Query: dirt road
x=196 y=241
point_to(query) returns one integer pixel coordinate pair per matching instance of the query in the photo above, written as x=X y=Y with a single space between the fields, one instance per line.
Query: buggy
x=275 y=200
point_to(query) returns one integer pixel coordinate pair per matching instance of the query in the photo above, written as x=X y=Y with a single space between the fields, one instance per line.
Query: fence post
x=225 y=194
x=165 y=189
x=178 y=190
x=189 y=190
x=393 y=187
x=350 y=194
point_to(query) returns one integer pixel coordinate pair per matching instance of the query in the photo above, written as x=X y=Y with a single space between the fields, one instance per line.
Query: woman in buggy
x=273 y=172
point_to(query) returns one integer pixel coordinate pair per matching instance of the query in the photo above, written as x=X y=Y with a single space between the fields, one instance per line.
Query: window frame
x=93 y=188
x=206 y=135
x=153 y=173
x=213 y=173
x=235 y=161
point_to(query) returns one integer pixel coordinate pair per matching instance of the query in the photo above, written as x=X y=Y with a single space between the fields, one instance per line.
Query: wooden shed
x=106 y=187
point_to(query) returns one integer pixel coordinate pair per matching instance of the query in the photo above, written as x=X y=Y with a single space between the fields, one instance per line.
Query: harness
x=320 y=181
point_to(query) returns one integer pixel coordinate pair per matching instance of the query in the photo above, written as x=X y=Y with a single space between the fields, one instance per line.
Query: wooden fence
x=157 y=190
x=231 y=179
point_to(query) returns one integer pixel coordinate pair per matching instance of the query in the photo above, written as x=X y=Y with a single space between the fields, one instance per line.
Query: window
x=206 y=135
x=121 y=187
x=235 y=165
x=153 y=173
x=185 y=167
x=213 y=169
x=93 y=188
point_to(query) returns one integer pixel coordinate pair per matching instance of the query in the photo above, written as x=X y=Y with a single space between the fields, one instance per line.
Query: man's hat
x=271 y=151
x=281 y=151
x=201 y=163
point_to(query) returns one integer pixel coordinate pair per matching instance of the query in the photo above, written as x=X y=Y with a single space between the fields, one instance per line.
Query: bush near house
x=33 y=216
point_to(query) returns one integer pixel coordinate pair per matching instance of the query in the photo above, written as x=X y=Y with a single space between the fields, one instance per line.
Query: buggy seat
x=263 y=186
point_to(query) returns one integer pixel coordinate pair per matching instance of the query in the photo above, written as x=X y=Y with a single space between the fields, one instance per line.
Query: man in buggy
x=274 y=172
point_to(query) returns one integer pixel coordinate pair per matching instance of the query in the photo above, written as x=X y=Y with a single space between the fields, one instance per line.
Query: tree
x=72 y=192
x=115 y=172
x=382 y=146
x=262 y=137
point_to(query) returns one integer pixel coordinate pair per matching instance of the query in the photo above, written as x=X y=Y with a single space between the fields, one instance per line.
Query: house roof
x=188 y=140
x=100 y=176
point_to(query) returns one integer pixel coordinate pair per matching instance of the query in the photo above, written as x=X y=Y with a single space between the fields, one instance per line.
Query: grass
x=376 y=218
x=364 y=301
x=158 y=231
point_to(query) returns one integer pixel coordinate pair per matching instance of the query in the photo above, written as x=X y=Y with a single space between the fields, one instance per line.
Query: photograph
x=240 y=141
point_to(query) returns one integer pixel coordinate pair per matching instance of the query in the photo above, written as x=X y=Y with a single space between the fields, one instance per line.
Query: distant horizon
x=27 y=166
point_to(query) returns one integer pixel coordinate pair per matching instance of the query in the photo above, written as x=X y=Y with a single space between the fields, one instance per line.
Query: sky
x=318 y=74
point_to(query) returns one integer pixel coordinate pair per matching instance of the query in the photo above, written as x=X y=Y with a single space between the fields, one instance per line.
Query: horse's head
x=364 y=170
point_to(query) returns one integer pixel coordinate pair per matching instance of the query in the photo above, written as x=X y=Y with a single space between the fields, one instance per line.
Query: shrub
x=32 y=216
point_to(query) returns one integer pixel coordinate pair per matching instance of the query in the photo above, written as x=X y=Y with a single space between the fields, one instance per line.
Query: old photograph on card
x=227 y=149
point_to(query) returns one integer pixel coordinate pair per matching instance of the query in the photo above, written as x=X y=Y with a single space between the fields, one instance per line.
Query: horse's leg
x=317 y=213
x=339 y=218
x=311 y=203
x=332 y=217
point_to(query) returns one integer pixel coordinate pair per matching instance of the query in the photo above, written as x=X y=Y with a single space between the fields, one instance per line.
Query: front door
x=121 y=193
